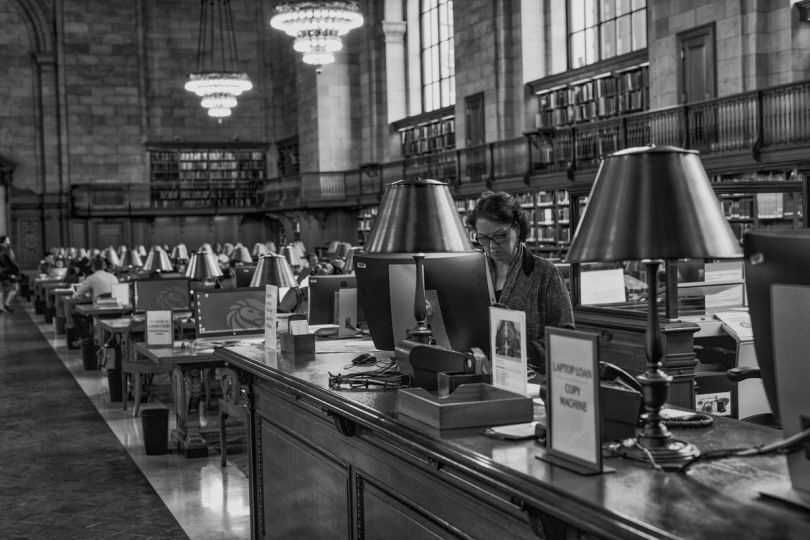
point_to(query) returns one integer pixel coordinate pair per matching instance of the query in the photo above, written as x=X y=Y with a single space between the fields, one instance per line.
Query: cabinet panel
x=385 y=517
x=292 y=507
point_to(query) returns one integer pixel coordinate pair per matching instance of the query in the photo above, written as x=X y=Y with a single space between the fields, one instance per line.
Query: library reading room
x=405 y=269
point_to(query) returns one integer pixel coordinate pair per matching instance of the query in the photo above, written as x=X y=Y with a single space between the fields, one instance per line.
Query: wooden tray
x=471 y=405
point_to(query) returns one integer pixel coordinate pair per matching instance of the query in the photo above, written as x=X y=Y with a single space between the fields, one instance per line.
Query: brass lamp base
x=671 y=454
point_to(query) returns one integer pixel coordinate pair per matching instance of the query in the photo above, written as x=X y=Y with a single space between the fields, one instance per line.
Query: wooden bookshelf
x=594 y=98
x=428 y=137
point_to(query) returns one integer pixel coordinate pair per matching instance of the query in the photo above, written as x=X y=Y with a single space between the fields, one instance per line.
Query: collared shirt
x=535 y=286
x=98 y=283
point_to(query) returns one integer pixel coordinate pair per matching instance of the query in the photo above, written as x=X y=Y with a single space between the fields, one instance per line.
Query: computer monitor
x=243 y=275
x=229 y=312
x=386 y=285
x=321 y=298
x=160 y=293
x=777 y=275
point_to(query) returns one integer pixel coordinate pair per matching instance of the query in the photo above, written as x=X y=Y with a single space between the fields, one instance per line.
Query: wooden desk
x=60 y=295
x=360 y=472
x=47 y=293
x=187 y=389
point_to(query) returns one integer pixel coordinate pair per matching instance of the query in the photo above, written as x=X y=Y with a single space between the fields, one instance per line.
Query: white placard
x=159 y=328
x=572 y=403
x=507 y=337
x=120 y=291
x=602 y=286
x=270 y=309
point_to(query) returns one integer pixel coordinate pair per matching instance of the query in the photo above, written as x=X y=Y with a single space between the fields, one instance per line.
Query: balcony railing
x=755 y=122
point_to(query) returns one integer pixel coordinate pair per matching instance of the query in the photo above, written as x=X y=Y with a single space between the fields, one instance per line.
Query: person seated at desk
x=58 y=270
x=98 y=283
x=521 y=280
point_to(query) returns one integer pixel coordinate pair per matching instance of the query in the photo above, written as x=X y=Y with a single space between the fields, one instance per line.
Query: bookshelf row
x=210 y=164
x=599 y=97
x=434 y=136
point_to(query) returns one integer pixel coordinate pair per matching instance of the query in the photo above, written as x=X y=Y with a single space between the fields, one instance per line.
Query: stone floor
x=74 y=464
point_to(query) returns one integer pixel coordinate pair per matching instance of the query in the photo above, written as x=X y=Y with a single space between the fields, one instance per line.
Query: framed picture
x=507 y=330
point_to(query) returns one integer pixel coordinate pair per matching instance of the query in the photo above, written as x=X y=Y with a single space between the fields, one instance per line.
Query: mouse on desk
x=364 y=359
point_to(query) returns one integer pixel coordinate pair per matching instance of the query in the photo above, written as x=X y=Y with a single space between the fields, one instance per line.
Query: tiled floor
x=209 y=502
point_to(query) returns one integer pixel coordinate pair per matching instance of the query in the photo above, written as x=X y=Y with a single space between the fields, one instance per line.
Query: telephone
x=613 y=373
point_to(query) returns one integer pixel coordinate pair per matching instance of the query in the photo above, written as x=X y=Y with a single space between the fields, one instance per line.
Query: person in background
x=98 y=283
x=522 y=281
x=9 y=275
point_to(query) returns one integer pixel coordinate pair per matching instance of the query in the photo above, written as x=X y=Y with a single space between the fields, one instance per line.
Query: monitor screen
x=161 y=293
x=321 y=299
x=459 y=283
x=243 y=275
x=229 y=312
x=772 y=258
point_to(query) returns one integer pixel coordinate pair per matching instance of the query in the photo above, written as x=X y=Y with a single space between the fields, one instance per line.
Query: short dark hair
x=3 y=239
x=99 y=263
x=500 y=207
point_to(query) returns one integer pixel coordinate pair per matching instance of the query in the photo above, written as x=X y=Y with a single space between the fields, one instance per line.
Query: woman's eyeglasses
x=499 y=238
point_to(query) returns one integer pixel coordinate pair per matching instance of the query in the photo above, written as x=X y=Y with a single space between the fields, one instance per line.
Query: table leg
x=187 y=384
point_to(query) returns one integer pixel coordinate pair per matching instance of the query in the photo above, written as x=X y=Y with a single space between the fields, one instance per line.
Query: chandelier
x=317 y=27
x=216 y=79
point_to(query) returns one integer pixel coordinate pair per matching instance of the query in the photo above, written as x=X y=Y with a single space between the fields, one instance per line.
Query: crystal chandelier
x=317 y=27
x=216 y=79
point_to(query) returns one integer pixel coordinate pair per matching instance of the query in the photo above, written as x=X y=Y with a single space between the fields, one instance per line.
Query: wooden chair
x=136 y=367
x=229 y=405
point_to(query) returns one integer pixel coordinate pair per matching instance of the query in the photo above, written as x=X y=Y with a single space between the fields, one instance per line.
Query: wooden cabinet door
x=306 y=493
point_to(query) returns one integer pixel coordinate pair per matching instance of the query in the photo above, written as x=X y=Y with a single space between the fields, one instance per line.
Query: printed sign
x=270 y=309
x=120 y=291
x=572 y=403
x=159 y=328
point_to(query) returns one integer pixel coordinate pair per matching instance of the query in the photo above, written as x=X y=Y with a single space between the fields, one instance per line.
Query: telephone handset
x=613 y=373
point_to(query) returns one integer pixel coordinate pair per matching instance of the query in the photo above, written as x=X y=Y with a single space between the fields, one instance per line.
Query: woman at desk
x=522 y=281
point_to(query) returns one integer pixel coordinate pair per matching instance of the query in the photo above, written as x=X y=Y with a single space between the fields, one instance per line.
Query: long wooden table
x=188 y=364
x=336 y=463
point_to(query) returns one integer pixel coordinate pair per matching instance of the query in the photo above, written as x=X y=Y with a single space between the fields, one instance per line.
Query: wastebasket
x=72 y=337
x=59 y=324
x=155 y=423
x=89 y=361
x=114 y=384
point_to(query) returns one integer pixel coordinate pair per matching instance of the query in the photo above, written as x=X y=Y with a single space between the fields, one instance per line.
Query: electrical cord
x=387 y=375
x=792 y=444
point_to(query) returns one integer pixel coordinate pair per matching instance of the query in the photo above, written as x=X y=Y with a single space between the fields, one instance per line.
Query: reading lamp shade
x=240 y=254
x=112 y=257
x=132 y=258
x=157 y=259
x=652 y=203
x=417 y=216
x=259 y=249
x=273 y=269
x=179 y=253
x=202 y=266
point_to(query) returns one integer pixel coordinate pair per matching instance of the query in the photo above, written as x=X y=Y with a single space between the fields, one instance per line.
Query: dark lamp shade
x=273 y=269
x=202 y=266
x=417 y=216
x=652 y=203
x=157 y=259
x=132 y=258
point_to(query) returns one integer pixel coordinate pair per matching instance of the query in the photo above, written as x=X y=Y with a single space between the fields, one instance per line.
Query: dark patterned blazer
x=535 y=286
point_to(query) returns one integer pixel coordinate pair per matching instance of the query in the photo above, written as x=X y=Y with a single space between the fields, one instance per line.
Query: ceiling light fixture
x=216 y=79
x=317 y=27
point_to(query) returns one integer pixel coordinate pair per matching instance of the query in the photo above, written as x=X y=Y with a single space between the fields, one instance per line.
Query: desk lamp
x=140 y=250
x=275 y=270
x=179 y=254
x=653 y=203
x=112 y=258
x=240 y=255
x=157 y=261
x=259 y=249
x=132 y=259
x=203 y=267
x=417 y=216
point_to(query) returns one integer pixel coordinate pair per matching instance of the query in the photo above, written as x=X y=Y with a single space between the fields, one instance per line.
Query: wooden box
x=297 y=344
x=471 y=405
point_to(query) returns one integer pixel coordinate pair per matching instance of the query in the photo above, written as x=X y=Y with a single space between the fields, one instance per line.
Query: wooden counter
x=332 y=463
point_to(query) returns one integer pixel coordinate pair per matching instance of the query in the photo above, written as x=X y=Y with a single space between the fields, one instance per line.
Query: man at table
x=98 y=283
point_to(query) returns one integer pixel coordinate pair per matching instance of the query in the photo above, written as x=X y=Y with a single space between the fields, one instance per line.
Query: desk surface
x=713 y=500
x=177 y=355
x=95 y=309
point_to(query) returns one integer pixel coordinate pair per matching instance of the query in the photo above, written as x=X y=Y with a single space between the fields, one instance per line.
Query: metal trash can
x=155 y=424
x=114 y=384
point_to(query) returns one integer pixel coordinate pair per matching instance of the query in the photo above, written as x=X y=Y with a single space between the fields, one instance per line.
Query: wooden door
x=697 y=75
